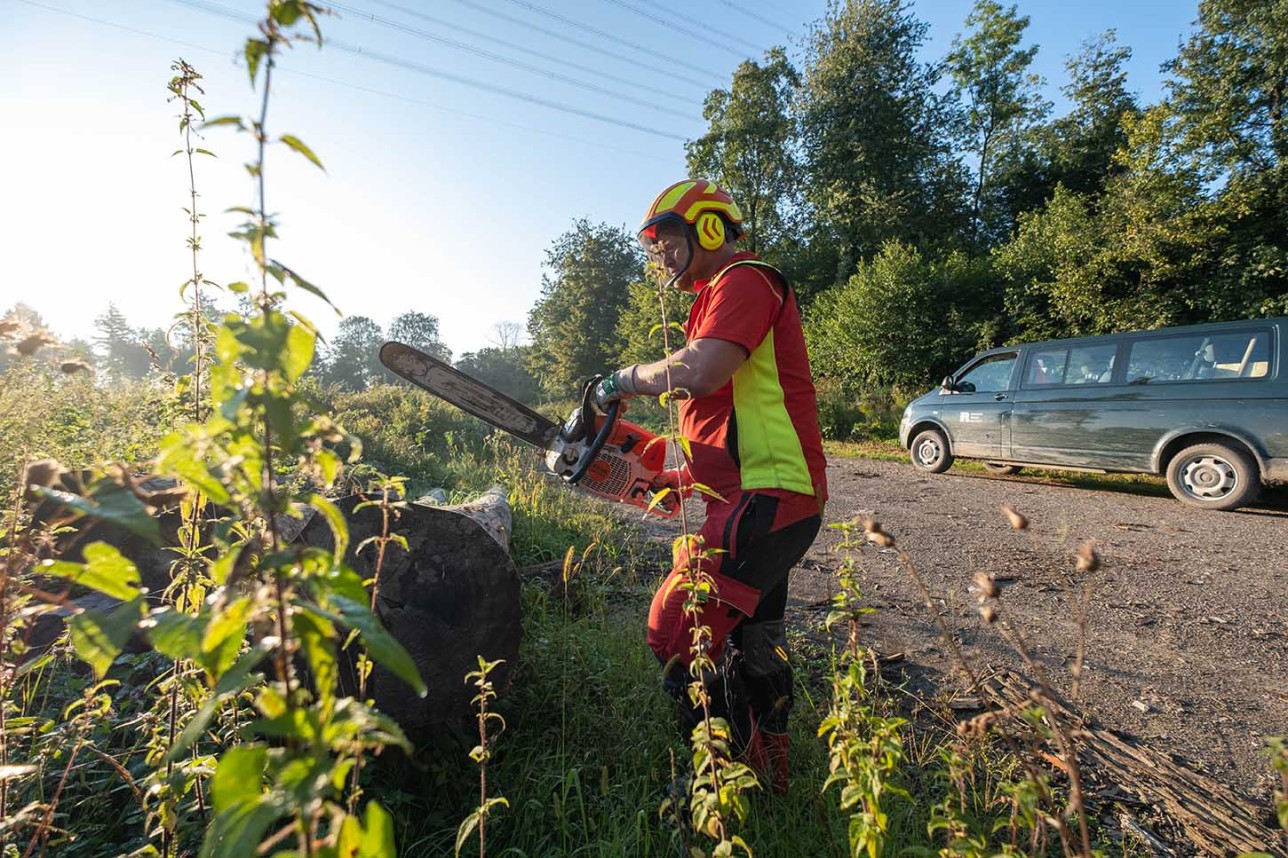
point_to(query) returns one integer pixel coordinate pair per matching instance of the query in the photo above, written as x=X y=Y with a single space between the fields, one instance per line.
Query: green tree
x=902 y=319
x=749 y=147
x=505 y=369
x=1132 y=258
x=1227 y=102
x=121 y=354
x=353 y=358
x=639 y=326
x=1078 y=149
x=420 y=331
x=1002 y=100
x=875 y=133
x=573 y=325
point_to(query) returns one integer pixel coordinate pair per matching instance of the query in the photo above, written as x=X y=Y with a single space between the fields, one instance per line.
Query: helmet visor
x=668 y=244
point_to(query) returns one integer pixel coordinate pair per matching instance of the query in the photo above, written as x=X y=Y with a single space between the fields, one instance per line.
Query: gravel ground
x=1187 y=644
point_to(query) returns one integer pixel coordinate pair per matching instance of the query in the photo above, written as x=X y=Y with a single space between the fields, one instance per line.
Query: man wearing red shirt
x=749 y=413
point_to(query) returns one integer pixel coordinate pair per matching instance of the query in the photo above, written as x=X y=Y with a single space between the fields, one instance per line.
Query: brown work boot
x=775 y=749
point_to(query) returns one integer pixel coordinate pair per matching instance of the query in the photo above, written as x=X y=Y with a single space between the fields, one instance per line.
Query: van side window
x=990 y=375
x=1077 y=365
x=1199 y=358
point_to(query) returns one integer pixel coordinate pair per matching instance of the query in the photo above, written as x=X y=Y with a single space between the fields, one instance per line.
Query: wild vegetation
x=209 y=719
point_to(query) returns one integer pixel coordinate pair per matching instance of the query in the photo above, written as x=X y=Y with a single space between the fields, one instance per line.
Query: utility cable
x=526 y=98
x=572 y=22
x=405 y=28
x=754 y=16
x=705 y=38
x=668 y=74
x=217 y=9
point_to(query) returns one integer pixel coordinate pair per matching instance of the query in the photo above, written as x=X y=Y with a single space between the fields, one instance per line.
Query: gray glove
x=618 y=386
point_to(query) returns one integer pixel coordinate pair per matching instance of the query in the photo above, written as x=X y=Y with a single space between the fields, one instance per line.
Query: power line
x=510 y=94
x=399 y=26
x=216 y=9
x=754 y=16
x=704 y=38
x=671 y=74
x=531 y=7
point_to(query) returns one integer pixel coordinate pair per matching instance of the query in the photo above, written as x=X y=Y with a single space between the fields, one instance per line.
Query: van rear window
x=1199 y=358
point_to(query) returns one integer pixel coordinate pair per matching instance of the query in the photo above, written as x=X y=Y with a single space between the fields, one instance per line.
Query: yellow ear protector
x=711 y=231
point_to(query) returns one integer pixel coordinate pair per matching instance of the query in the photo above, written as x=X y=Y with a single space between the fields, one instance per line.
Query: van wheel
x=999 y=468
x=929 y=451
x=1213 y=476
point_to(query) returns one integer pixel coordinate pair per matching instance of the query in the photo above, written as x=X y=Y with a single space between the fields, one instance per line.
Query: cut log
x=1212 y=816
x=450 y=598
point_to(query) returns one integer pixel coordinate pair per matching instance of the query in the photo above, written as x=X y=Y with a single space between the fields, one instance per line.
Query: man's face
x=669 y=248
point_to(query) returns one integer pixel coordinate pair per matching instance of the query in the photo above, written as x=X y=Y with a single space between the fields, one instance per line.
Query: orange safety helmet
x=701 y=204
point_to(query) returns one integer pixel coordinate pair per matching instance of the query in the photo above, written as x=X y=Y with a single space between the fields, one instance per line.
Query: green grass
x=888 y=450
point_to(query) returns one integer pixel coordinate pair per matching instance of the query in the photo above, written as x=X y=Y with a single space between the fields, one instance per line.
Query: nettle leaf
x=255 y=50
x=299 y=352
x=298 y=145
x=225 y=120
x=224 y=636
x=105 y=569
x=317 y=638
x=285 y=12
x=307 y=286
x=384 y=648
x=111 y=502
x=240 y=776
x=99 y=636
x=238 y=678
x=334 y=518
x=179 y=458
x=176 y=634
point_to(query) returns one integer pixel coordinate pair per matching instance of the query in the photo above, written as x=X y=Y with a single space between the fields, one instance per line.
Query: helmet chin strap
x=688 y=263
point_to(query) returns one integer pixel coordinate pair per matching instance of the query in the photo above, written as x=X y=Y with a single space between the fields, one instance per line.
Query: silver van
x=1204 y=405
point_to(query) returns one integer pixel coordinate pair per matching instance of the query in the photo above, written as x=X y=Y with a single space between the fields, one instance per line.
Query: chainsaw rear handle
x=588 y=420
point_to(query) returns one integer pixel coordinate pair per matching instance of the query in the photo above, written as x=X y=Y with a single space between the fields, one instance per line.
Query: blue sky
x=460 y=137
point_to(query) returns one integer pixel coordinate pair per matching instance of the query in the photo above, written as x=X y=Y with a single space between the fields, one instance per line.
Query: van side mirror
x=948 y=385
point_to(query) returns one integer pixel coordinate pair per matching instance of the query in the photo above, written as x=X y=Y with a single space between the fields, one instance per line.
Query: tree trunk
x=449 y=599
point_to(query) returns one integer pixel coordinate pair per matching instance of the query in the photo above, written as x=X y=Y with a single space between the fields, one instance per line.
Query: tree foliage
x=748 y=147
x=586 y=285
x=874 y=130
x=352 y=360
x=420 y=331
x=1002 y=102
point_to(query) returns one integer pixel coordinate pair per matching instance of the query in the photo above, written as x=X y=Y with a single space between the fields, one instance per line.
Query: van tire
x=1002 y=469
x=930 y=453
x=1214 y=476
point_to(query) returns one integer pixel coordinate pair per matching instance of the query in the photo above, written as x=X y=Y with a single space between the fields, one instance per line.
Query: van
x=1204 y=405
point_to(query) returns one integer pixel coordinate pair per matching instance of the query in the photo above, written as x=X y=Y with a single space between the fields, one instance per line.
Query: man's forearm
x=699 y=369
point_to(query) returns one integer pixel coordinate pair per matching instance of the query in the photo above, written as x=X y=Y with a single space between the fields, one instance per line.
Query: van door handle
x=999 y=397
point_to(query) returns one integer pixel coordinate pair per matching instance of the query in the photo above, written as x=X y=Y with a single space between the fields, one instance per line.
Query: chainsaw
x=598 y=453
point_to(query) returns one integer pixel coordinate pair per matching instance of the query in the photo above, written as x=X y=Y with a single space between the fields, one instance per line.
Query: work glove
x=618 y=386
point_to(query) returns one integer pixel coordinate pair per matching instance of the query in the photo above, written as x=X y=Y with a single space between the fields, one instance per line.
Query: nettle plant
x=865 y=746
x=717 y=790
x=273 y=615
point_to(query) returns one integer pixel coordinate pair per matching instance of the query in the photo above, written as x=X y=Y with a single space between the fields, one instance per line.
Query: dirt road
x=1187 y=646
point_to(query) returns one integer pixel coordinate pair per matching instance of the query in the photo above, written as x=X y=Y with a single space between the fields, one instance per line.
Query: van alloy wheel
x=1209 y=477
x=930 y=452
x=1214 y=476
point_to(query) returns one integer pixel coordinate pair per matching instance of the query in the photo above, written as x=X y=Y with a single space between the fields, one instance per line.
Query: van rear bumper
x=1276 y=471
